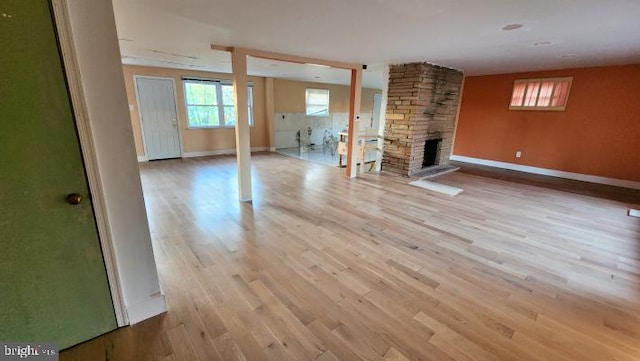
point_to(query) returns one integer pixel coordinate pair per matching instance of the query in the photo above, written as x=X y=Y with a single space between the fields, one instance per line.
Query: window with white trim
x=540 y=94
x=317 y=102
x=210 y=103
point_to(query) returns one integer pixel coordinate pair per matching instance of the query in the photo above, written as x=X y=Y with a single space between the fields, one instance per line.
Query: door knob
x=74 y=199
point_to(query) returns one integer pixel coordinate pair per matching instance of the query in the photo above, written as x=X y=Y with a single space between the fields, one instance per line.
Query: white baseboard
x=142 y=158
x=549 y=172
x=146 y=309
x=230 y=151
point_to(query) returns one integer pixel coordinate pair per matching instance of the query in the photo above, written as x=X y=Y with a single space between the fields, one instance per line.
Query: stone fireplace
x=422 y=106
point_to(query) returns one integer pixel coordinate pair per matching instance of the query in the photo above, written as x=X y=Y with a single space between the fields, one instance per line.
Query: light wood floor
x=325 y=268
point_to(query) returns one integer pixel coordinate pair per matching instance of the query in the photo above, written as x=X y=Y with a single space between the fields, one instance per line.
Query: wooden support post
x=270 y=110
x=354 y=121
x=243 y=138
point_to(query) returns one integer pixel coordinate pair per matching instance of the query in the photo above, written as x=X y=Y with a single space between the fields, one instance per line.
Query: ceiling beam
x=290 y=58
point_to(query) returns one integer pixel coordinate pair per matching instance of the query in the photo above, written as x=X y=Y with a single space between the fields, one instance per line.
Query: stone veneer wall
x=422 y=104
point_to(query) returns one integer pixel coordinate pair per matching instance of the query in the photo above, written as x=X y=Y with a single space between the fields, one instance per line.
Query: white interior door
x=157 y=104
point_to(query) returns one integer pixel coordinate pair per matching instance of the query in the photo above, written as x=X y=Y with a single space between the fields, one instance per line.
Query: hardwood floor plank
x=181 y=344
x=321 y=267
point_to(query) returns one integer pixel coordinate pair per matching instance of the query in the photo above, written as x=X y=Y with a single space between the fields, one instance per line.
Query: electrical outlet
x=519 y=154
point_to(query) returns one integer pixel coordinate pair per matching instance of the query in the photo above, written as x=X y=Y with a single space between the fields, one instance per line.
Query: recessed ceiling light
x=542 y=43
x=511 y=27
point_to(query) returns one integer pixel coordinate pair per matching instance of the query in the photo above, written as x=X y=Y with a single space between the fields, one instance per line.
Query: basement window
x=210 y=103
x=540 y=94
x=317 y=102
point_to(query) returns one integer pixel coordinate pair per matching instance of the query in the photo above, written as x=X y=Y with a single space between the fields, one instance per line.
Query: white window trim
x=220 y=103
x=540 y=80
x=306 y=104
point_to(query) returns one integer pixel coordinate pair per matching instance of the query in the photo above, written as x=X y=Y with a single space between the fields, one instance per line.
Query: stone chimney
x=422 y=105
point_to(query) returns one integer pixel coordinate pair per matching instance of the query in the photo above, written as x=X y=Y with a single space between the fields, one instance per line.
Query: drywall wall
x=290 y=114
x=323 y=129
x=197 y=140
x=597 y=134
x=98 y=58
x=289 y=96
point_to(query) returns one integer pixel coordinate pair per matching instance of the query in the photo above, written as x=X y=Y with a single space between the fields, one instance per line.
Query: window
x=317 y=102
x=210 y=103
x=540 y=94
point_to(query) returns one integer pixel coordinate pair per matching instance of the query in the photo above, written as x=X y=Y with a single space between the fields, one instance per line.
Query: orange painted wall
x=598 y=133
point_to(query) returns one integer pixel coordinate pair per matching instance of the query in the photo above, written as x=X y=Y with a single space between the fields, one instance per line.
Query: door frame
x=175 y=106
x=81 y=116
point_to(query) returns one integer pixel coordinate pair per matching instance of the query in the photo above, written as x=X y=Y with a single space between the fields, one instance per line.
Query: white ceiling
x=462 y=34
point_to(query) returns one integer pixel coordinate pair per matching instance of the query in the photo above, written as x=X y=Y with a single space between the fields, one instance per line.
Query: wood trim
x=550 y=172
x=63 y=28
x=289 y=58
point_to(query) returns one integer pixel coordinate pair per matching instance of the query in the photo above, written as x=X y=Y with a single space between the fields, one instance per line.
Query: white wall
x=286 y=125
x=98 y=57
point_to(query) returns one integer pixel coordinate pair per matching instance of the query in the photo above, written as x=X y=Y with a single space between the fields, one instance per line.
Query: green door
x=53 y=283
